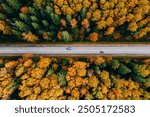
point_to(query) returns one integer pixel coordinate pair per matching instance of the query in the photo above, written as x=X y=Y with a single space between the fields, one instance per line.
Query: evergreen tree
x=81 y=20
x=115 y=64
x=123 y=69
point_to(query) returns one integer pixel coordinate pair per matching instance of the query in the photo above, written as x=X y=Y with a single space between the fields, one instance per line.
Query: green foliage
x=21 y=26
x=83 y=13
x=115 y=64
x=7 y=9
x=2 y=65
x=52 y=33
x=52 y=28
x=103 y=65
x=68 y=18
x=97 y=69
x=43 y=16
x=123 y=69
x=66 y=37
x=33 y=65
x=24 y=17
x=61 y=78
x=36 y=26
x=75 y=31
x=138 y=79
x=15 y=4
x=50 y=71
x=65 y=61
x=45 y=23
x=35 y=60
x=34 y=18
x=49 y=9
x=2 y=16
x=33 y=11
x=55 y=19
x=16 y=32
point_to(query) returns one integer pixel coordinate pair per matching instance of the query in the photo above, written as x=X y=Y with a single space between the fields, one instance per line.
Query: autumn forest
x=74 y=78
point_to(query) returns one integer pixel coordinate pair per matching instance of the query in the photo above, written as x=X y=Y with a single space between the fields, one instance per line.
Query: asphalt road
x=77 y=50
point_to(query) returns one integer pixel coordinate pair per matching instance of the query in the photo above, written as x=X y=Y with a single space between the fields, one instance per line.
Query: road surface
x=77 y=50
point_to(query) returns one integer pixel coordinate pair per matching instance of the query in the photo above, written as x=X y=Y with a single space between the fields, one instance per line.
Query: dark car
x=101 y=52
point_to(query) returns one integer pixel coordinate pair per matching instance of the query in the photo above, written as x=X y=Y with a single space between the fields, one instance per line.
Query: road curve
x=77 y=50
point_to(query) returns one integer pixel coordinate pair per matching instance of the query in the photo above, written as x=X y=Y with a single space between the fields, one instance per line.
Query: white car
x=69 y=48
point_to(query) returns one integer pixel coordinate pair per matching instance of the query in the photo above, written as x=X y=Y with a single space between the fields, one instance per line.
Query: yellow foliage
x=78 y=84
x=71 y=71
x=133 y=27
x=11 y=64
x=44 y=62
x=4 y=28
x=99 y=60
x=75 y=93
x=28 y=63
x=93 y=82
x=73 y=23
x=109 y=31
x=6 y=85
x=93 y=36
x=104 y=75
x=96 y=15
x=37 y=73
x=85 y=23
x=29 y=37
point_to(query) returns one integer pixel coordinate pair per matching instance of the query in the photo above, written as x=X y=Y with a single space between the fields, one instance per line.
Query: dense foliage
x=75 y=20
x=74 y=78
